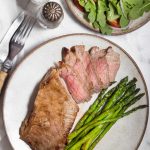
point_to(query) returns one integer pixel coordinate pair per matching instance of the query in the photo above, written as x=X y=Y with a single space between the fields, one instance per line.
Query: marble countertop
x=137 y=44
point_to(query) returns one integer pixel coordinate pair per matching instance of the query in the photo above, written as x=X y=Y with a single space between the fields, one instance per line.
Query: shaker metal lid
x=52 y=11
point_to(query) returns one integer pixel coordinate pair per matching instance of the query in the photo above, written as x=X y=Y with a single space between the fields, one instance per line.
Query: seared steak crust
x=52 y=117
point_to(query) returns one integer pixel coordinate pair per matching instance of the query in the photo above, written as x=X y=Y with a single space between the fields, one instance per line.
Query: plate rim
x=70 y=35
x=97 y=31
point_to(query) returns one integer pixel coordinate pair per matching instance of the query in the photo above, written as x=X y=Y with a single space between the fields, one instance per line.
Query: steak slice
x=76 y=64
x=100 y=65
x=113 y=61
x=74 y=85
x=84 y=56
x=52 y=117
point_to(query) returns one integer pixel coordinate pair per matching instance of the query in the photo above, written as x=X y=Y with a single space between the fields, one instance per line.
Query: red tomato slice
x=114 y=23
x=76 y=2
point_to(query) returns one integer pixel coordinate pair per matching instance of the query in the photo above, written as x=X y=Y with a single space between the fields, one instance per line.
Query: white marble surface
x=137 y=44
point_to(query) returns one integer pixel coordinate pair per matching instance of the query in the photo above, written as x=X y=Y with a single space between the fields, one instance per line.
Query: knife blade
x=4 y=43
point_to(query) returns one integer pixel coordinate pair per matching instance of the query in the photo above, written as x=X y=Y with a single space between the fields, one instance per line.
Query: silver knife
x=4 y=43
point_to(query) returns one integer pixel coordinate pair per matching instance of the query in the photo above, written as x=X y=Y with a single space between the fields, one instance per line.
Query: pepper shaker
x=50 y=15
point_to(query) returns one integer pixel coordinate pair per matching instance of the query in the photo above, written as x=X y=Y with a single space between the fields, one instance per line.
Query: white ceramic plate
x=126 y=134
x=133 y=25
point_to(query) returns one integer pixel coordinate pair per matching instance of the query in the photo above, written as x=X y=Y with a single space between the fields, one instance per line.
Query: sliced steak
x=52 y=117
x=68 y=57
x=83 y=59
x=100 y=65
x=74 y=85
x=75 y=61
x=113 y=61
x=84 y=56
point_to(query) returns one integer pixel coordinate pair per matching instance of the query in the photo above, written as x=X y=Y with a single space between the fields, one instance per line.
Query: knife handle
x=3 y=76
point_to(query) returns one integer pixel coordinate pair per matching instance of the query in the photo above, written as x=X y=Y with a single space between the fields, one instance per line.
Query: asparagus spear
x=133 y=110
x=85 y=133
x=127 y=99
x=111 y=120
x=107 y=113
x=101 y=135
x=128 y=93
x=75 y=136
x=119 y=105
x=119 y=94
x=86 y=138
x=85 y=146
x=116 y=90
x=90 y=126
x=90 y=110
x=135 y=99
x=96 y=138
x=101 y=104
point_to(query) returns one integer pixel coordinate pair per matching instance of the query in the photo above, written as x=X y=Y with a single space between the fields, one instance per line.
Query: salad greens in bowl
x=111 y=16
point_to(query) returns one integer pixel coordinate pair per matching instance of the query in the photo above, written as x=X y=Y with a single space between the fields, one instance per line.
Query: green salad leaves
x=118 y=13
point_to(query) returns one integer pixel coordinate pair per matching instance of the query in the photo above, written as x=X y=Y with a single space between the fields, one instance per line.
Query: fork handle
x=3 y=76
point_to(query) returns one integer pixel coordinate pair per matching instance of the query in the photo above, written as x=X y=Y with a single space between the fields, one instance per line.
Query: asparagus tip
x=113 y=82
x=135 y=79
x=125 y=78
x=142 y=106
x=142 y=94
x=137 y=90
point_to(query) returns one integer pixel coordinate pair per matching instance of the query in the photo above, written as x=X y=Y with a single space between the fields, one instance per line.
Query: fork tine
x=26 y=26
x=20 y=29
x=14 y=37
x=28 y=30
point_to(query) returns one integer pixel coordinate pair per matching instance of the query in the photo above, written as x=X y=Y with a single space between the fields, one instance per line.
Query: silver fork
x=4 y=43
x=16 y=44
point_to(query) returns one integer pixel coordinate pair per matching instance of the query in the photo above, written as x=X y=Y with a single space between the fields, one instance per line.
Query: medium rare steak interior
x=87 y=72
x=80 y=74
